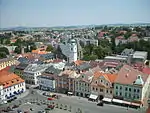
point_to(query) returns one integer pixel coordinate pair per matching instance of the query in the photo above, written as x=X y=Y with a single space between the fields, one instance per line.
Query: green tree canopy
x=33 y=47
x=49 y=48
x=18 y=50
x=7 y=41
x=4 y=50
x=3 y=55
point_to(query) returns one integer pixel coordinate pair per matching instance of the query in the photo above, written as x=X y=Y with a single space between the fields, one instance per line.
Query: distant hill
x=20 y=28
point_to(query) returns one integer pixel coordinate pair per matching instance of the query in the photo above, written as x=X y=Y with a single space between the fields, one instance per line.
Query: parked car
x=15 y=106
x=100 y=103
x=49 y=98
x=51 y=106
x=31 y=109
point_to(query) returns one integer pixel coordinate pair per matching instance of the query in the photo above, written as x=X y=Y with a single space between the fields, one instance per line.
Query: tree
x=17 y=50
x=3 y=55
x=18 y=42
x=33 y=47
x=4 y=50
x=90 y=57
x=1 y=40
x=49 y=48
x=7 y=41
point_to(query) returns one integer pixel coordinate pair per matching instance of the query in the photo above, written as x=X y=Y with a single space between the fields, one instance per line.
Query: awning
x=117 y=101
x=107 y=99
x=93 y=96
x=126 y=102
x=70 y=93
x=135 y=104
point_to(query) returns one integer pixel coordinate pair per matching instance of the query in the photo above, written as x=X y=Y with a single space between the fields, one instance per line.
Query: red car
x=49 y=98
x=51 y=106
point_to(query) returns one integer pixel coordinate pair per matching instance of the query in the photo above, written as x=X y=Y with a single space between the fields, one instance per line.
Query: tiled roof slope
x=128 y=75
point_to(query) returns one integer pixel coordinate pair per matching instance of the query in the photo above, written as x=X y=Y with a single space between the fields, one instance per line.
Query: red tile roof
x=8 y=79
x=127 y=75
x=146 y=70
x=79 y=62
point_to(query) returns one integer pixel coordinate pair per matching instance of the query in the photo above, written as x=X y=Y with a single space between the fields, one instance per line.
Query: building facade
x=131 y=85
x=11 y=85
x=66 y=81
x=32 y=71
x=83 y=85
x=102 y=84
x=6 y=62
x=48 y=79
x=69 y=49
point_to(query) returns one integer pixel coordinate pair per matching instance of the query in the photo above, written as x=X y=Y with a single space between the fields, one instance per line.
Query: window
x=106 y=84
x=116 y=87
x=134 y=90
x=110 y=92
x=129 y=95
x=93 y=88
x=96 y=89
x=138 y=90
x=101 y=80
x=126 y=89
x=129 y=89
x=95 y=82
x=116 y=93
x=71 y=49
x=107 y=90
x=138 y=97
x=120 y=87
x=101 y=90
x=120 y=94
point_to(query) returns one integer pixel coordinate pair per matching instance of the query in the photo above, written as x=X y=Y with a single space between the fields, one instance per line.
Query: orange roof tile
x=109 y=77
x=38 y=51
x=8 y=79
x=79 y=62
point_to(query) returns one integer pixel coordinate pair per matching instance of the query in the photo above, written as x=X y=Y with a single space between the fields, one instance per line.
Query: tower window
x=71 y=49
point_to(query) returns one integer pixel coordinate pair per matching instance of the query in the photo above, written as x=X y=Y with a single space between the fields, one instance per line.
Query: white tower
x=73 y=50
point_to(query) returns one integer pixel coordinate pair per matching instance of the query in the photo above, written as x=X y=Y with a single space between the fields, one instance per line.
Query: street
x=72 y=102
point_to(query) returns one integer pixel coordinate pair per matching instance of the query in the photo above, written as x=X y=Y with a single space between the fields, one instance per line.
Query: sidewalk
x=23 y=94
x=80 y=99
x=41 y=93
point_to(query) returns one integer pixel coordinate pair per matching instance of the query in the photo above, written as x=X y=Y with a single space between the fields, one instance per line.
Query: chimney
x=127 y=75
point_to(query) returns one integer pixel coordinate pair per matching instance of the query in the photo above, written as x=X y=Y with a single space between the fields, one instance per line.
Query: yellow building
x=6 y=62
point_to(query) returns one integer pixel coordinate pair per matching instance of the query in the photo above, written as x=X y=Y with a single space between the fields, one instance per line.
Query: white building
x=47 y=81
x=11 y=86
x=139 y=56
x=32 y=71
x=1 y=94
x=69 y=49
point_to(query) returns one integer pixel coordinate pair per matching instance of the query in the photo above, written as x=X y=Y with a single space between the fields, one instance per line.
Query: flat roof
x=140 y=53
x=114 y=57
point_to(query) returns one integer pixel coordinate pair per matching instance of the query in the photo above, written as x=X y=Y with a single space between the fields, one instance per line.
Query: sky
x=48 y=13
